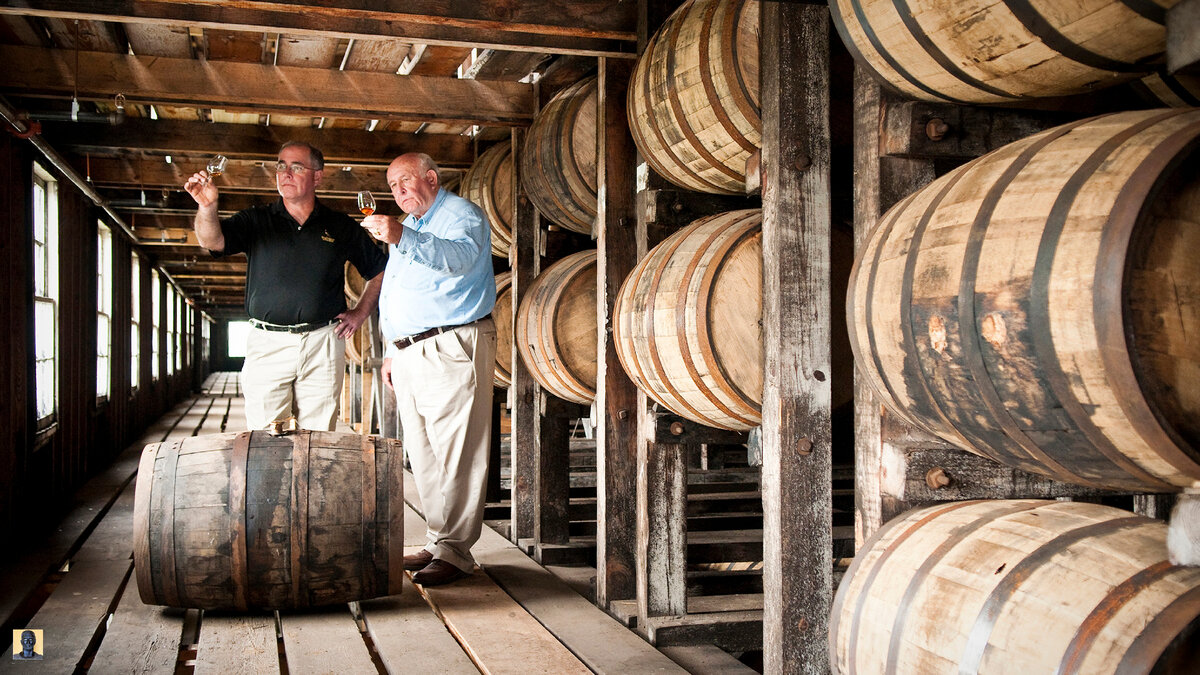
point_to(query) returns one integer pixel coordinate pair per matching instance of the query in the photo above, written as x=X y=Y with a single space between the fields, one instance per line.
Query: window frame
x=44 y=241
x=104 y=311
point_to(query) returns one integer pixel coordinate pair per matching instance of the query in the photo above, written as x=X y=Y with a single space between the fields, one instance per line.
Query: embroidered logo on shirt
x=325 y=236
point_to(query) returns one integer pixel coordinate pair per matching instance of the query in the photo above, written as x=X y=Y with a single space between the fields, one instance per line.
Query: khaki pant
x=294 y=374
x=444 y=398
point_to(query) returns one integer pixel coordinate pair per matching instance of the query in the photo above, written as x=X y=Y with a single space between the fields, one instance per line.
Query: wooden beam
x=1183 y=37
x=257 y=88
x=616 y=396
x=250 y=141
x=524 y=391
x=590 y=27
x=796 y=435
x=240 y=175
x=919 y=130
x=878 y=183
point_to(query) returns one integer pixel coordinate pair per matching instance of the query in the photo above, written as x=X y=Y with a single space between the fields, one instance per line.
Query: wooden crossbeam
x=588 y=27
x=249 y=141
x=240 y=175
x=251 y=87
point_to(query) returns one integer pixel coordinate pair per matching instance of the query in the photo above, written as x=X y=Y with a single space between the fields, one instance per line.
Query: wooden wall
x=39 y=473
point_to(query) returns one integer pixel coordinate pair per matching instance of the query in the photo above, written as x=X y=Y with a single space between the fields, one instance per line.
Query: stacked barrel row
x=1034 y=306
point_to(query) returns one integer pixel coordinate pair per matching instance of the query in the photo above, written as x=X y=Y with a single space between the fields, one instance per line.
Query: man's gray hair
x=315 y=155
x=427 y=164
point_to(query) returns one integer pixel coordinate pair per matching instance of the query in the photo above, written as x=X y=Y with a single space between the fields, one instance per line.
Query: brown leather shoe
x=417 y=561
x=437 y=573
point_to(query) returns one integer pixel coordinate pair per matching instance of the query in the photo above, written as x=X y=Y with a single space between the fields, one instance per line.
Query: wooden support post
x=616 y=397
x=661 y=521
x=878 y=183
x=526 y=247
x=796 y=434
x=553 y=464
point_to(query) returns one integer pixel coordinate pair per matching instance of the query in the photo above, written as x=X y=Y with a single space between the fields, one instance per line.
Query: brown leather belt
x=410 y=340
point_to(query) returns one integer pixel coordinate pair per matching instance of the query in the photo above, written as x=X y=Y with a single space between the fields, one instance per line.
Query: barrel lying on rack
x=982 y=51
x=489 y=183
x=503 y=313
x=1040 y=305
x=558 y=163
x=1024 y=586
x=693 y=98
x=556 y=328
x=250 y=520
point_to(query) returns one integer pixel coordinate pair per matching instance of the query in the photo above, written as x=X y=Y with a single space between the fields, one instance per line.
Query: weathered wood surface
x=734 y=630
x=237 y=644
x=616 y=396
x=661 y=523
x=601 y=643
x=140 y=639
x=552 y=483
x=409 y=637
x=879 y=182
x=1183 y=37
x=524 y=392
x=796 y=410
x=922 y=130
x=324 y=641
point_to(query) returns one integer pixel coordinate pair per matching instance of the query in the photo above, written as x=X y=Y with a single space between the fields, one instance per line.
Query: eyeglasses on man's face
x=295 y=168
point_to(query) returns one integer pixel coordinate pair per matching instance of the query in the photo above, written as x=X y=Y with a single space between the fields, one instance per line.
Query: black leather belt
x=410 y=340
x=294 y=328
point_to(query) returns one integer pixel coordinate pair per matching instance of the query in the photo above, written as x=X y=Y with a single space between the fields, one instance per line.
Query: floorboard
x=410 y=638
x=141 y=639
x=324 y=641
x=237 y=644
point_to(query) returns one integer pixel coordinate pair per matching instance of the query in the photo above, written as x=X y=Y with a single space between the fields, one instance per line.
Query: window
x=155 y=320
x=172 y=336
x=205 y=335
x=45 y=294
x=135 y=342
x=239 y=331
x=104 y=294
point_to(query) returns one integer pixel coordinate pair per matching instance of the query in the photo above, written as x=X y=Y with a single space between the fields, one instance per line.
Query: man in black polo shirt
x=297 y=250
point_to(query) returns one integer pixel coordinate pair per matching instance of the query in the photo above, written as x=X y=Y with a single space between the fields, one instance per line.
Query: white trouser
x=294 y=374
x=444 y=398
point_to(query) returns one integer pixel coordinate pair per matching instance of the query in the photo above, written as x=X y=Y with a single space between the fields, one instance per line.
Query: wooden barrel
x=693 y=97
x=502 y=313
x=687 y=321
x=1178 y=91
x=354 y=285
x=251 y=520
x=1039 y=306
x=556 y=328
x=558 y=163
x=982 y=51
x=1026 y=586
x=489 y=183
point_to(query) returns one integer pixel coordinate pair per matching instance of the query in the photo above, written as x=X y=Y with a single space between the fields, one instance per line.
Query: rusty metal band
x=663 y=386
x=1060 y=391
x=727 y=36
x=730 y=54
x=395 y=516
x=299 y=518
x=1147 y=9
x=1147 y=648
x=238 y=572
x=142 y=552
x=910 y=527
x=1118 y=597
x=981 y=632
x=164 y=504
x=917 y=581
x=367 y=572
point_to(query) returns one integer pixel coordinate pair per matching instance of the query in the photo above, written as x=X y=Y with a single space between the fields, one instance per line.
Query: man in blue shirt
x=435 y=313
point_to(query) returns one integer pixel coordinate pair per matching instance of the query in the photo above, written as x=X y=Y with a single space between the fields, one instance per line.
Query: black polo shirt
x=296 y=273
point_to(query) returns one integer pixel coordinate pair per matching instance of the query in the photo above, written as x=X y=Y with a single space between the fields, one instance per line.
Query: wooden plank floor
x=510 y=616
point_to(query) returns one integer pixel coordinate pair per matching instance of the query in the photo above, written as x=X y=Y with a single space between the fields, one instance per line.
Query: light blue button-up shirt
x=440 y=274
